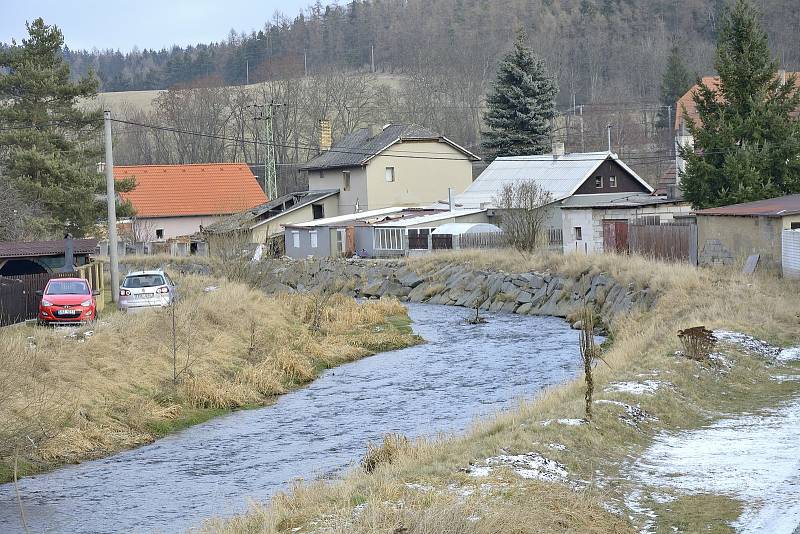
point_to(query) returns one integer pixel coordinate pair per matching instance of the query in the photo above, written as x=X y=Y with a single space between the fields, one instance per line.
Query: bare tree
x=523 y=215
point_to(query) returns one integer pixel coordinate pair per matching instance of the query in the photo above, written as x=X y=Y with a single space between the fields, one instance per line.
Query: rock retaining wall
x=459 y=284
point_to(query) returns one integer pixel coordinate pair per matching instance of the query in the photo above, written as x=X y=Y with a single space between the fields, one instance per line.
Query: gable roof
x=197 y=189
x=17 y=249
x=360 y=146
x=686 y=102
x=561 y=176
x=771 y=207
x=268 y=211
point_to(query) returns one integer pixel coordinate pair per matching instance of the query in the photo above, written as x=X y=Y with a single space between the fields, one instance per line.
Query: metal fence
x=666 y=241
x=18 y=299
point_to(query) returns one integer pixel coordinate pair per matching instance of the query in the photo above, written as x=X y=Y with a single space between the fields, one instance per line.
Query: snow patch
x=635 y=388
x=557 y=446
x=530 y=465
x=791 y=354
x=424 y=488
x=633 y=414
x=785 y=378
x=747 y=342
x=567 y=422
x=763 y=450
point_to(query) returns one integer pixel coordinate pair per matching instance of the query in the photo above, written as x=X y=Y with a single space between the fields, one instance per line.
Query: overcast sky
x=121 y=24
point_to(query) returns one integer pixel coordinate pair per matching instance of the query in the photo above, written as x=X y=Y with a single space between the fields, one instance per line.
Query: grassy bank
x=431 y=486
x=68 y=395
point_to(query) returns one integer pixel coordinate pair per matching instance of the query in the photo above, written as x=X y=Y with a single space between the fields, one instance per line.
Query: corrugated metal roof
x=771 y=207
x=616 y=200
x=433 y=217
x=360 y=146
x=251 y=218
x=17 y=249
x=340 y=219
x=560 y=175
x=466 y=228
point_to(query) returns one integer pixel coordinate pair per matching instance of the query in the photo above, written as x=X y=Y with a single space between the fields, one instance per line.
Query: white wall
x=334 y=179
x=583 y=219
x=177 y=226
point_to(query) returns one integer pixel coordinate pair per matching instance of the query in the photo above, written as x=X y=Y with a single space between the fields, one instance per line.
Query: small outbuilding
x=35 y=257
x=729 y=234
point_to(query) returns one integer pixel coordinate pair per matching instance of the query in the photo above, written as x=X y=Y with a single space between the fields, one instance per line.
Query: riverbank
x=69 y=395
x=540 y=468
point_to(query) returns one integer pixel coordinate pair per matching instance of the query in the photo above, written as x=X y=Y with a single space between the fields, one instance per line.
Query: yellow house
x=397 y=165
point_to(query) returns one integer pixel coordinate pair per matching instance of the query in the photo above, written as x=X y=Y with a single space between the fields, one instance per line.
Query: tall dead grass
x=117 y=383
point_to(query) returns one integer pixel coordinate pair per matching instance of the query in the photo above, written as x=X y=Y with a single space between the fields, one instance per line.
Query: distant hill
x=602 y=51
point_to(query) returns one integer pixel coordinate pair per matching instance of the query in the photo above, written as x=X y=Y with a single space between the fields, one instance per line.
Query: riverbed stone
x=524 y=309
x=411 y=280
x=524 y=297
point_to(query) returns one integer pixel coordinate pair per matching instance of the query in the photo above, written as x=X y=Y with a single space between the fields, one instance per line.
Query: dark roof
x=17 y=249
x=360 y=146
x=617 y=200
x=771 y=207
x=268 y=210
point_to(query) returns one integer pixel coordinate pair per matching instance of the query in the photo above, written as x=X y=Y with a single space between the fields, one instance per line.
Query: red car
x=67 y=301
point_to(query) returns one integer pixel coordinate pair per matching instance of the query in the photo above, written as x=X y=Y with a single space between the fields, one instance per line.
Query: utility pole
x=111 y=200
x=258 y=114
x=247 y=72
x=669 y=121
x=270 y=171
x=583 y=143
x=372 y=57
x=305 y=63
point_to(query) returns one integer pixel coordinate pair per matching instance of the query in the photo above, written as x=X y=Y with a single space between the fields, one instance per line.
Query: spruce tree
x=674 y=84
x=49 y=146
x=746 y=144
x=521 y=106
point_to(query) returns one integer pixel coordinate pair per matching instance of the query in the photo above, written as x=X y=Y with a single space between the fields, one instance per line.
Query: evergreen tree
x=521 y=105
x=674 y=84
x=746 y=145
x=48 y=145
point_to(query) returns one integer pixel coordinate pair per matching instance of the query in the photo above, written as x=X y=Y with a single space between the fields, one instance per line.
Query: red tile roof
x=199 y=189
x=771 y=207
x=686 y=102
x=16 y=249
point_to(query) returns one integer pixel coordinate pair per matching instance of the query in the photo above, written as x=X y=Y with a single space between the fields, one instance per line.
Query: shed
x=34 y=257
x=729 y=234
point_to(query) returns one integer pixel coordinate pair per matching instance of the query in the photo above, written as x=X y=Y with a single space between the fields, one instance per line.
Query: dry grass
x=244 y=349
x=696 y=394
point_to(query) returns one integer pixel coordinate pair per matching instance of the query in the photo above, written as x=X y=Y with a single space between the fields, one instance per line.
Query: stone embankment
x=460 y=284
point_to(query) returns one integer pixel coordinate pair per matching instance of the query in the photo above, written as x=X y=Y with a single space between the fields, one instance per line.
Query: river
x=463 y=371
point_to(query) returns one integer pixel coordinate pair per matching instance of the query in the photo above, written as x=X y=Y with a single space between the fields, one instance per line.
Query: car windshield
x=69 y=287
x=143 y=280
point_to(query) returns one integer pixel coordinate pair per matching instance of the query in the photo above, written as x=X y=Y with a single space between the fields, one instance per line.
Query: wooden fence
x=18 y=299
x=666 y=241
x=483 y=240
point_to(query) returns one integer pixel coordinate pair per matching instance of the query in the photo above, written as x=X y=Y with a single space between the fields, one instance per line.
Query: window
x=159 y=233
x=598 y=182
x=612 y=181
x=390 y=174
x=578 y=233
x=143 y=280
x=295 y=239
x=388 y=238
x=346 y=180
x=69 y=287
x=418 y=238
x=313 y=235
x=318 y=211
x=341 y=239
x=795 y=226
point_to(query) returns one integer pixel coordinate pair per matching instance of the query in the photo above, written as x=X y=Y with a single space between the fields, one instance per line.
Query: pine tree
x=48 y=145
x=746 y=145
x=521 y=106
x=676 y=81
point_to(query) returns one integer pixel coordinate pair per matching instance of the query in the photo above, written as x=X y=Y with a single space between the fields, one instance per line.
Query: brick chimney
x=325 y=135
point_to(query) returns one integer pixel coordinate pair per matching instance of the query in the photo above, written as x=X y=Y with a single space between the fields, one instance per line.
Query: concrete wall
x=417 y=180
x=178 y=226
x=300 y=215
x=725 y=240
x=334 y=179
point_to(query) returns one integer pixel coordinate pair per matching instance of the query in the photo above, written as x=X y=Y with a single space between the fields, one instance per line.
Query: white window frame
x=296 y=238
x=388 y=239
x=612 y=181
x=389 y=174
x=598 y=182
x=159 y=233
x=341 y=238
x=346 y=180
x=313 y=235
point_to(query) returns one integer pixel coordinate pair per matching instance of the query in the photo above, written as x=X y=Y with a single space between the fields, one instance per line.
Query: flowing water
x=462 y=372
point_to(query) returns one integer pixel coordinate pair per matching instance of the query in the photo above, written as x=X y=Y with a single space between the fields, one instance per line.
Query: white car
x=146 y=289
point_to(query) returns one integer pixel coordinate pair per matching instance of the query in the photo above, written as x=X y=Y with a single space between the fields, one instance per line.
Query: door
x=615 y=236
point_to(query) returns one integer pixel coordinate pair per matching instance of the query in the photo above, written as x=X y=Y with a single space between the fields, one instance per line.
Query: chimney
x=325 y=135
x=374 y=130
x=558 y=149
x=69 y=254
x=450 y=200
